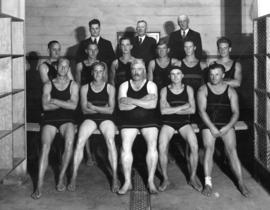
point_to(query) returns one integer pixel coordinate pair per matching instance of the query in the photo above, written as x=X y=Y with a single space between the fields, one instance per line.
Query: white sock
x=208 y=181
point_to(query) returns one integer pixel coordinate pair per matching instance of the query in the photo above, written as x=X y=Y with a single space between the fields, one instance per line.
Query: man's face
x=216 y=76
x=183 y=22
x=224 y=49
x=189 y=48
x=98 y=73
x=92 y=51
x=63 y=67
x=162 y=50
x=141 y=28
x=125 y=46
x=176 y=76
x=55 y=50
x=137 y=71
x=94 y=30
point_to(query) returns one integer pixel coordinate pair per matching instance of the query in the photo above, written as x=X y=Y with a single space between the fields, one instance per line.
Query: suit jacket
x=106 y=52
x=176 y=44
x=145 y=50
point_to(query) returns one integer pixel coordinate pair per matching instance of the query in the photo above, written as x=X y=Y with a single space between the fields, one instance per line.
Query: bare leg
x=85 y=131
x=209 y=145
x=188 y=134
x=128 y=136
x=165 y=136
x=48 y=133
x=229 y=140
x=90 y=159
x=107 y=128
x=150 y=135
x=67 y=131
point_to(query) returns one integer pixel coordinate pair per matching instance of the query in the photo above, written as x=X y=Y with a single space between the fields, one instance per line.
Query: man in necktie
x=177 y=38
x=145 y=51
x=106 y=52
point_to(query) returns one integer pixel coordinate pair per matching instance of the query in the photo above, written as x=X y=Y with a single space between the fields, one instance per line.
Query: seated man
x=176 y=103
x=137 y=101
x=218 y=108
x=59 y=100
x=97 y=103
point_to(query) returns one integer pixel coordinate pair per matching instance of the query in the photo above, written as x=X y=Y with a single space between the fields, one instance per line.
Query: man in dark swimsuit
x=219 y=110
x=137 y=100
x=176 y=104
x=59 y=100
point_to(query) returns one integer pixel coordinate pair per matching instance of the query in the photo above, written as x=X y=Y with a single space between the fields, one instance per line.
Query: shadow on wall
x=80 y=35
x=128 y=32
x=169 y=27
x=33 y=88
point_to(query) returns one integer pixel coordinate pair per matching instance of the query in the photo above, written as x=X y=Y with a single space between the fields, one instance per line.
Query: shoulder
x=124 y=85
x=194 y=32
x=202 y=89
x=115 y=63
x=110 y=88
x=105 y=41
x=175 y=33
x=151 y=39
x=74 y=84
x=152 y=63
x=151 y=85
x=237 y=64
x=163 y=90
x=189 y=89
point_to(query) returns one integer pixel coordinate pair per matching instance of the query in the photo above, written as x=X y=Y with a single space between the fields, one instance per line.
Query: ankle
x=208 y=181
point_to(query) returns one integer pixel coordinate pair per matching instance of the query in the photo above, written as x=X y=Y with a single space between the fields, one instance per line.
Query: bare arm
x=150 y=100
x=122 y=96
x=191 y=108
x=202 y=103
x=78 y=74
x=85 y=105
x=114 y=66
x=236 y=81
x=43 y=72
x=235 y=111
x=176 y=62
x=165 y=107
x=108 y=109
x=46 y=98
x=72 y=102
x=151 y=68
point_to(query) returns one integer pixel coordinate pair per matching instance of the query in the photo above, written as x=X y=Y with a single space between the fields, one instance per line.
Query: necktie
x=183 y=34
x=95 y=41
x=140 y=40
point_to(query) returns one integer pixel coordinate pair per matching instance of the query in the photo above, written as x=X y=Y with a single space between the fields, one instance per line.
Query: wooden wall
x=67 y=20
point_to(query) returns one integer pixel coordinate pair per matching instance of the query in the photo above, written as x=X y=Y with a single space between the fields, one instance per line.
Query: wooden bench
x=240 y=125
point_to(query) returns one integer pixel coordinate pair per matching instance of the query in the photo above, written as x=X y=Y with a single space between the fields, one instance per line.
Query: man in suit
x=106 y=52
x=177 y=38
x=143 y=45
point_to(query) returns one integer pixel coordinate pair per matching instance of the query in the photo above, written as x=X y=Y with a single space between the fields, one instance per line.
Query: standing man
x=219 y=110
x=59 y=100
x=105 y=54
x=177 y=38
x=143 y=45
x=137 y=100
x=233 y=69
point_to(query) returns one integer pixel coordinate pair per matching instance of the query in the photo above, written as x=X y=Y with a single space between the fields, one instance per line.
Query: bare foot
x=244 y=191
x=124 y=189
x=72 y=186
x=115 y=186
x=164 y=185
x=36 y=195
x=207 y=190
x=195 y=183
x=152 y=188
x=60 y=187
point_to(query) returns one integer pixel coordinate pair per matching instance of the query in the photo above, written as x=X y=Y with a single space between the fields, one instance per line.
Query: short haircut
x=51 y=43
x=139 y=61
x=124 y=38
x=216 y=65
x=94 y=21
x=142 y=21
x=162 y=42
x=224 y=40
x=190 y=40
x=104 y=66
x=175 y=67
x=90 y=43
